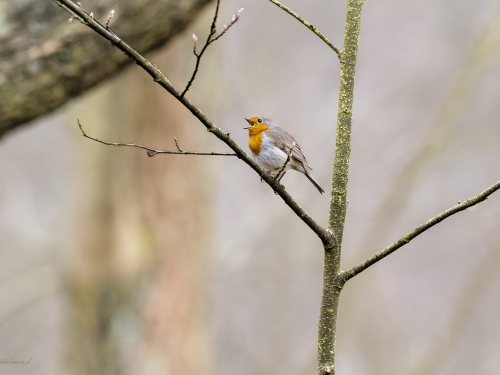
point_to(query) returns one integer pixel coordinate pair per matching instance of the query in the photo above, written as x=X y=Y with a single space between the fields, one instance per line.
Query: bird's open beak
x=248 y=120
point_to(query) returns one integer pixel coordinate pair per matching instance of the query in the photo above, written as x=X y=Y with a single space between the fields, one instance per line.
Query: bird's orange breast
x=255 y=143
x=255 y=138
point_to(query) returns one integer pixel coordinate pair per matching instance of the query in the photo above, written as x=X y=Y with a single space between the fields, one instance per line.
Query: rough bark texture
x=332 y=280
x=45 y=61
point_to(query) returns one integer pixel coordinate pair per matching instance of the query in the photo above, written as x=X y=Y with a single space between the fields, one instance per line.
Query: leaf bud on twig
x=110 y=15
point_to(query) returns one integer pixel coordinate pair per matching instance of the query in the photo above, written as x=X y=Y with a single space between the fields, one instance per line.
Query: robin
x=271 y=146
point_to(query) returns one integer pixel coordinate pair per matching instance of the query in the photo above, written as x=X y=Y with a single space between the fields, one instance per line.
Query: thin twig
x=151 y=151
x=308 y=25
x=84 y=20
x=286 y=162
x=346 y=275
x=324 y=235
x=212 y=37
x=177 y=145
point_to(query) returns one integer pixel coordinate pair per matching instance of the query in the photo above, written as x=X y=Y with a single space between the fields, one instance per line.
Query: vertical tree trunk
x=135 y=288
x=332 y=283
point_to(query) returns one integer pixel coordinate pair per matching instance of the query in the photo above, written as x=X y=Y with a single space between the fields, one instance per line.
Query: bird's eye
x=259 y=120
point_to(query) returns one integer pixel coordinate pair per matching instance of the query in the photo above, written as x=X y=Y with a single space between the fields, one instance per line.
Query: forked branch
x=334 y=279
x=324 y=235
x=212 y=37
x=151 y=151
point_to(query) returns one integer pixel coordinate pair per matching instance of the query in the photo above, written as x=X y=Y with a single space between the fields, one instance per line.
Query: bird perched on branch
x=273 y=146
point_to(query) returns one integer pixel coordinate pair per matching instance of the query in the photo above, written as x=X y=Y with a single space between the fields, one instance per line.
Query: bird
x=272 y=146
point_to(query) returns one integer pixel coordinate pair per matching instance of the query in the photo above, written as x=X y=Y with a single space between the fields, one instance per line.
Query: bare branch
x=90 y=15
x=151 y=151
x=308 y=25
x=235 y=19
x=70 y=58
x=177 y=144
x=325 y=236
x=212 y=37
x=461 y=206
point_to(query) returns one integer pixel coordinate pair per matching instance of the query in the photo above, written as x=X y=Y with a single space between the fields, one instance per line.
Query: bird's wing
x=284 y=140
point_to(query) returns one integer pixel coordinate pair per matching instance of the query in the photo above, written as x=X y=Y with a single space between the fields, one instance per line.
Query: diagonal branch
x=461 y=206
x=151 y=151
x=325 y=236
x=308 y=25
x=212 y=37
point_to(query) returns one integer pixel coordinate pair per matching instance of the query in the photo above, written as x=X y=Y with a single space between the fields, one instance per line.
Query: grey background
x=425 y=136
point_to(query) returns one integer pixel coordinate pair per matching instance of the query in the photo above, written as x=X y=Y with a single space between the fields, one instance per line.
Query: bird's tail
x=315 y=183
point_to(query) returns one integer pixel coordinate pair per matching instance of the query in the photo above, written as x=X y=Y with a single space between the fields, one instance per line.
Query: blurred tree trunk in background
x=135 y=283
x=429 y=309
x=45 y=61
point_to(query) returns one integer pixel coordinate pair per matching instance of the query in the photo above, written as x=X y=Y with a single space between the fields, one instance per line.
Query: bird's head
x=258 y=124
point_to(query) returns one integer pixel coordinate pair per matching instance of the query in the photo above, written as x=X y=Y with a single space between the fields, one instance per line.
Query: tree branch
x=461 y=206
x=325 y=236
x=308 y=25
x=332 y=283
x=151 y=151
x=46 y=61
x=210 y=39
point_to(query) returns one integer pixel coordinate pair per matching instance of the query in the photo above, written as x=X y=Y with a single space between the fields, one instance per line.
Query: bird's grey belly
x=272 y=158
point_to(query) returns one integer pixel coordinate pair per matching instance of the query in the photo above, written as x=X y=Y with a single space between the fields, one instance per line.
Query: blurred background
x=116 y=263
